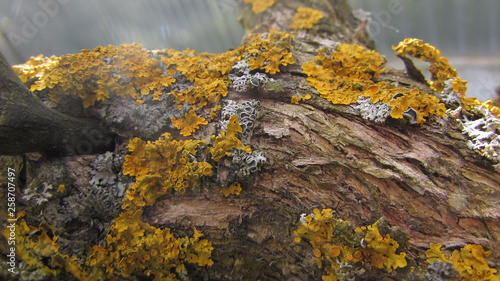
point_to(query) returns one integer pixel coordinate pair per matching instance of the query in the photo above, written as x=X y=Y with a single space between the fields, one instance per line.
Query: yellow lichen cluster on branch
x=234 y=188
x=228 y=140
x=440 y=69
x=134 y=246
x=130 y=71
x=335 y=242
x=260 y=5
x=269 y=51
x=94 y=75
x=469 y=261
x=343 y=76
x=34 y=67
x=305 y=18
x=380 y=251
x=160 y=167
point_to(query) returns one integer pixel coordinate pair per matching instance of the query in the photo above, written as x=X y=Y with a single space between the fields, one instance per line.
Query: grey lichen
x=441 y=271
x=40 y=195
x=375 y=112
x=484 y=135
x=242 y=80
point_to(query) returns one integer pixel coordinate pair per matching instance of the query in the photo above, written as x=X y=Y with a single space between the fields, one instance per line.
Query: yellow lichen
x=440 y=69
x=234 y=188
x=469 y=261
x=133 y=246
x=298 y=99
x=269 y=51
x=228 y=140
x=336 y=243
x=260 y=5
x=332 y=241
x=344 y=76
x=161 y=166
x=380 y=251
x=305 y=18
x=190 y=123
x=34 y=67
x=94 y=75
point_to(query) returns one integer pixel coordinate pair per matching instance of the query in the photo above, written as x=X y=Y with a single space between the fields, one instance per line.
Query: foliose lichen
x=305 y=18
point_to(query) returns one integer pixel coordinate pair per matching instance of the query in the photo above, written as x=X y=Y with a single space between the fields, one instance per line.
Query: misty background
x=467 y=32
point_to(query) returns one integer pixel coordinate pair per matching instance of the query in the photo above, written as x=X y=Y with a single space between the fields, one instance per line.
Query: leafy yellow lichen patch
x=161 y=166
x=469 y=261
x=423 y=103
x=337 y=246
x=95 y=75
x=38 y=248
x=34 y=67
x=260 y=5
x=133 y=246
x=190 y=123
x=305 y=18
x=440 y=69
x=299 y=98
x=269 y=51
x=471 y=102
x=228 y=140
x=333 y=241
x=380 y=251
x=343 y=76
x=234 y=188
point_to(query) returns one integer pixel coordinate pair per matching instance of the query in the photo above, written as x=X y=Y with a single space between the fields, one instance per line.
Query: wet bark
x=27 y=125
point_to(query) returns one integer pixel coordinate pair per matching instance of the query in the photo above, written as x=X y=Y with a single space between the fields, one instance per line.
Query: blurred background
x=467 y=32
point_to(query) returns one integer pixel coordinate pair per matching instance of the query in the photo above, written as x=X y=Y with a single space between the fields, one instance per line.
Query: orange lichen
x=190 y=123
x=38 y=248
x=423 y=103
x=380 y=251
x=260 y=5
x=440 y=69
x=332 y=241
x=161 y=166
x=228 y=140
x=299 y=98
x=471 y=102
x=469 y=261
x=269 y=51
x=94 y=75
x=344 y=76
x=305 y=18
x=131 y=245
x=34 y=67
x=234 y=188
x=336 y=243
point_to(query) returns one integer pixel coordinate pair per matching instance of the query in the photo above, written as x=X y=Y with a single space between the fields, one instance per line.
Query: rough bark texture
x=422 y=178
x=27 y=125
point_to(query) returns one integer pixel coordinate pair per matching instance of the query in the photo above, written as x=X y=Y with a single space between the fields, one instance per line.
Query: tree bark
x=421 y=178
x=27 y=125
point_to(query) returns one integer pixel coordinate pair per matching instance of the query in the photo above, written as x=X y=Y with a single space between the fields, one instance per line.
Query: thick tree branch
x=27 y=125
